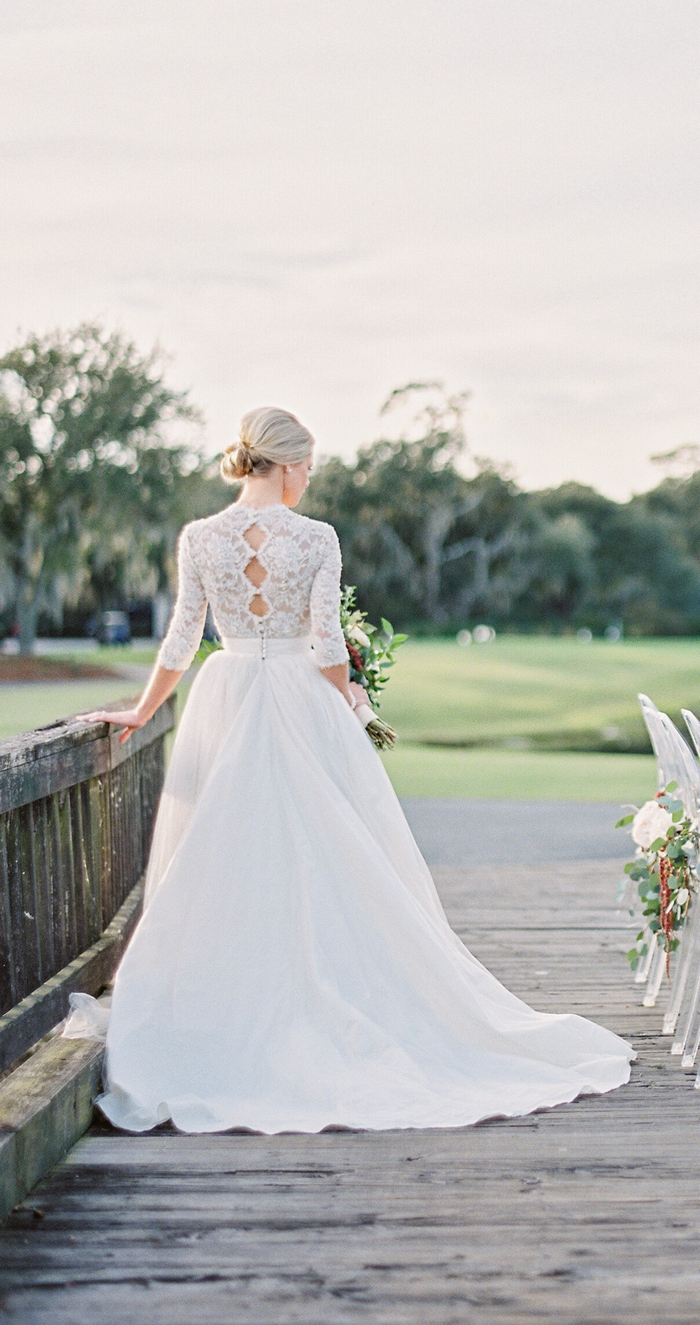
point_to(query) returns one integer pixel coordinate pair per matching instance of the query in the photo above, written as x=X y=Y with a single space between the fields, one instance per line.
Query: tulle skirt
x=293 y=967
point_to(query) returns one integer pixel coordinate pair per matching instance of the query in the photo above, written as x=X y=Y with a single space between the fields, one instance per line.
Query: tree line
x=438 y=546
x=101 y=463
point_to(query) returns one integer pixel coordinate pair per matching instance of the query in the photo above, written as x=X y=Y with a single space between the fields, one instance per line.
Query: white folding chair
x=658 y=738
x=684 y=767
x=693 y=725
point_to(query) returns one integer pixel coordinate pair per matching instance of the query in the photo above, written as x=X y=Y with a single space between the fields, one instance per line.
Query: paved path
x=588 y=1213
x=461 y=833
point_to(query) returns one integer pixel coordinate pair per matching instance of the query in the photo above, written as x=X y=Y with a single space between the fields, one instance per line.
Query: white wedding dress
x=293 y=967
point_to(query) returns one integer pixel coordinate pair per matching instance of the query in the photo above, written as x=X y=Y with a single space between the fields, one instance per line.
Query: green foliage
x=431 y=534
x=665 y=874
x=371 y=651
x=206 y=648
x=410 y=521
x=93 y=474
x=97 y=476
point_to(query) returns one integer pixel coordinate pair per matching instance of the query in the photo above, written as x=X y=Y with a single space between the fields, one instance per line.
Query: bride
x=293 y=967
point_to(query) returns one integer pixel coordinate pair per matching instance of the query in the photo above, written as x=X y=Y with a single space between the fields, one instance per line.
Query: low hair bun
x=267 y=437
x=237 y=463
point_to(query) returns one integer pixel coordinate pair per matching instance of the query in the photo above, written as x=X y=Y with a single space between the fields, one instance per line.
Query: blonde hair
x=266 y=437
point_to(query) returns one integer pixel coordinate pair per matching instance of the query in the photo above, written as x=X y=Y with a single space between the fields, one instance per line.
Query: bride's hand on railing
x=161 y=683
x=129 y=719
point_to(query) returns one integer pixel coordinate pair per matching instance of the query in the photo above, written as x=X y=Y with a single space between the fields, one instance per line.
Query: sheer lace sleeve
x=187 y=623
x=328 y=638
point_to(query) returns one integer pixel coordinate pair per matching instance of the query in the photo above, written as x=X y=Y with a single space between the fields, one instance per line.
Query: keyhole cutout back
x=255 y=571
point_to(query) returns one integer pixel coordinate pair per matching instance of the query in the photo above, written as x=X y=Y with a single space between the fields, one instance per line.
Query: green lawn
x=503 y=719
x=23 y=707
x=542 y=693
x=419 y=770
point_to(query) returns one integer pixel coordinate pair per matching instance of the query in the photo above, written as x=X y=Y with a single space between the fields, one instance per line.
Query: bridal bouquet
x=663 y=869
x=371 y=653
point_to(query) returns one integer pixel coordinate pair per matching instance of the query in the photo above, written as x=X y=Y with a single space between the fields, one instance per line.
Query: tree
x=431 y=534
x=90 y=468
x=636 y=562
x=420 y=539
x=679 y=500
x=139 y=561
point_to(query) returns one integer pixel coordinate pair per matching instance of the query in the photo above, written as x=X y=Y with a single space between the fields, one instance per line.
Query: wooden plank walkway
x=588 y=1213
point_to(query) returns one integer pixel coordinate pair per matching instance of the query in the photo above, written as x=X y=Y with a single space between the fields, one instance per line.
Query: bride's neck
x=265 y=490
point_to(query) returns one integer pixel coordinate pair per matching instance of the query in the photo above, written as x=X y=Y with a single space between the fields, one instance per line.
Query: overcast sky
x=310 y=202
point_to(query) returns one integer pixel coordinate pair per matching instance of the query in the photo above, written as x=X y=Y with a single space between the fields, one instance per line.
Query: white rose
x=359 y=637
x=650 y=822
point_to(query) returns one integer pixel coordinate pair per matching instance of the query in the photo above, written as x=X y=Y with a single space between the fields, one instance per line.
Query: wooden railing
x=76 y=815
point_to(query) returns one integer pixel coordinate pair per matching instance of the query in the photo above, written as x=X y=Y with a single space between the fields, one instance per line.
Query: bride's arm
x=178 y=648
x=329 y=641
x=161 y=683
x=339 y=677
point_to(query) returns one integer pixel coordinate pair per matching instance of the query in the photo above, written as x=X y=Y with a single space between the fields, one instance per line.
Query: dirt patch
x=14 y=667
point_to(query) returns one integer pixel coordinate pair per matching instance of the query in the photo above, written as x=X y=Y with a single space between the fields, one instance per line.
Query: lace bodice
x=296 y=587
